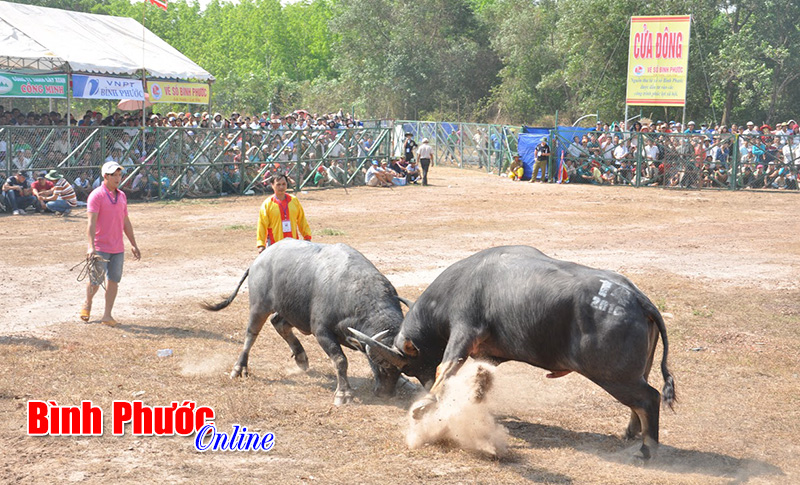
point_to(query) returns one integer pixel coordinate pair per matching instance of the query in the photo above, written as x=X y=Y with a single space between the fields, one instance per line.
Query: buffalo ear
x=409 y=348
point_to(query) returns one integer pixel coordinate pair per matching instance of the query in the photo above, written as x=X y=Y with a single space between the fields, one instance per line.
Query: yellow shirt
x=271 y=216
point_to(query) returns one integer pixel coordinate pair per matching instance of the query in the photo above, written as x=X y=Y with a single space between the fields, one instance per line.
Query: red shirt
x=42 y=185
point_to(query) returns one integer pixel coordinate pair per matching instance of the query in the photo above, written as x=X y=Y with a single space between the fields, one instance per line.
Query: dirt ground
x=721 y=266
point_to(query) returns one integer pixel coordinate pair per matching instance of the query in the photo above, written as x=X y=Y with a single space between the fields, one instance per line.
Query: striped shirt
x=64 y=191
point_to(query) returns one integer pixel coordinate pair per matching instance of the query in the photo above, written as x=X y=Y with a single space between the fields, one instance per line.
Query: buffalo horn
x=379 y=352
x=406 y=302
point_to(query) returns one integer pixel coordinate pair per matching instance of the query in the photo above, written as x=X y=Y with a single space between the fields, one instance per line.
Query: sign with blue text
x=101 y=87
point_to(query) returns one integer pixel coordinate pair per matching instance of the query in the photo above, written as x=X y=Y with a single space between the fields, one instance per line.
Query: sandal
x=85 y=314
x=110 y=323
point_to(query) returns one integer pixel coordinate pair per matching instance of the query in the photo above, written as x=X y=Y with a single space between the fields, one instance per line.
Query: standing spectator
x=62 y=198
x=425 y=157
x=107 y=209
x=18 y=193
x=408 y=147
x=281 y=216
x=542 y=155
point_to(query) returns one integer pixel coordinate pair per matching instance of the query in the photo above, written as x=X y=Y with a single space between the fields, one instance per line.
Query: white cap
x=110 y=168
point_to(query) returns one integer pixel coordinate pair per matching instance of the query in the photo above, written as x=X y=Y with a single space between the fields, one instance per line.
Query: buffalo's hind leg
x=644 y=402
x=257 y=320
x=285 y=330
x=330 y=344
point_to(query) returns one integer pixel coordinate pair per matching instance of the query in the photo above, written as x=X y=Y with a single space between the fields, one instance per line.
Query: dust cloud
x=463 y=414
x=199 y=365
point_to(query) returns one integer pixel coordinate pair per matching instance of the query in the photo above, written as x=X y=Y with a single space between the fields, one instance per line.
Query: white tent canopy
x=50 y=39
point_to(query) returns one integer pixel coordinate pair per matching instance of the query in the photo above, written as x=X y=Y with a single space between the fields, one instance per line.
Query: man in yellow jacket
x=281 y=216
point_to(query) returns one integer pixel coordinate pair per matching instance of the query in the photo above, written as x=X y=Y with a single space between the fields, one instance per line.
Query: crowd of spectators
x=238 y=156
x=687 y=156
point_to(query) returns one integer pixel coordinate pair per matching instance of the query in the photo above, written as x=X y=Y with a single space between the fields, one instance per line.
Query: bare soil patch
x=722 y=267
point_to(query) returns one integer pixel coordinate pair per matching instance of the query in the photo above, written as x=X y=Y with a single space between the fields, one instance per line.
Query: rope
x=94 y=268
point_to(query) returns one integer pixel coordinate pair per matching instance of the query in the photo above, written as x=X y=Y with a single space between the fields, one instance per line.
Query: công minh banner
x=658 y=60
x=172 y=92
x=29 y=86
x=101 y=87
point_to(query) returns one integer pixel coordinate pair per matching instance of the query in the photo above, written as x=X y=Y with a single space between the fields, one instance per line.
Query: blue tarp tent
x=526 y=144
x=565 y=136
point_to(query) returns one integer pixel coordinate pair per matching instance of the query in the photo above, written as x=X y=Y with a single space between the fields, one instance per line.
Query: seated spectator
x=320 y=176
x=399 y=165
x=746 y=177
x=22 y=161
x=231 y=180
x=720 y=177
x=584 y=173
x=516 y=169
x=759 y=178
x=41 y=188
x=782 y=180
x=376 y=176
x=413 y=172
x=651 y=176
x=83 y=186
x=336 y=174
x=18 y=193
x=62 y=199
x=144 y=185
x=625 y=172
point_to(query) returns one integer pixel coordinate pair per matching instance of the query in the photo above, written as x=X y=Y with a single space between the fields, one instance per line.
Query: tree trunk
x=729 y=96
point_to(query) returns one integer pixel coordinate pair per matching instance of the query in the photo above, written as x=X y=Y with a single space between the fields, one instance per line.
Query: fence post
x=734 y=185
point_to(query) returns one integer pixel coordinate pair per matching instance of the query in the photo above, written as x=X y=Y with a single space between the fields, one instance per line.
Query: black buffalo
x=322 y=290
x=515 y=303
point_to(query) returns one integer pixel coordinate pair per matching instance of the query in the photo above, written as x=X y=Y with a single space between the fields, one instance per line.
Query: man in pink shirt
x=107 y=208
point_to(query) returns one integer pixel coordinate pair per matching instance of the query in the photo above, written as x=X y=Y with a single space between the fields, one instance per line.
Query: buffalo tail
x=224 y=303
x=668 y=392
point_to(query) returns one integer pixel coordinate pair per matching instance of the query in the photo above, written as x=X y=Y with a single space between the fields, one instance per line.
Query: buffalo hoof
x=341 y=398
x=641 y=454
x=238 y=371
x=423 y=407
x=302 y=361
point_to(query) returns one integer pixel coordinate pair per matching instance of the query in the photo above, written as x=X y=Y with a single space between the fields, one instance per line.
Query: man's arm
x=90 y=233
x=302 y=224
x=128 y=229
x=261 y=229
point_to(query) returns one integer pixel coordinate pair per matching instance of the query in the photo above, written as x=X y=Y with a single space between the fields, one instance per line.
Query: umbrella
x=134 y=104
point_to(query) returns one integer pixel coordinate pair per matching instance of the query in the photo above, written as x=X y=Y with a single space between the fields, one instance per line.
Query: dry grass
x=722 y=266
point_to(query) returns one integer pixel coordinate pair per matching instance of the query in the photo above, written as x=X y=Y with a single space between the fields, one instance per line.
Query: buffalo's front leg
x=463 y=340
x=329 y=343
x=257 y=320
x=285 y=330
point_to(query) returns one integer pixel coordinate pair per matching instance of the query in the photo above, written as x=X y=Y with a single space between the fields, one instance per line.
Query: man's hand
x=136 y=254
x=260 y=249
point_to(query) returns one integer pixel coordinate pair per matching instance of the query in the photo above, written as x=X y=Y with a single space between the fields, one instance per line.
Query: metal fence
x=464 y=145
x=191 y=162
x=670 y=160
x=680 y=160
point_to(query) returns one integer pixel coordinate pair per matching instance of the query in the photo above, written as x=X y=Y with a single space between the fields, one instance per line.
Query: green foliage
x=512 y=61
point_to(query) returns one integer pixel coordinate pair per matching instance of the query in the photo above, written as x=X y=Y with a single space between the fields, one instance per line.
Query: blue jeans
x=16 y=201
x=59 y=206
